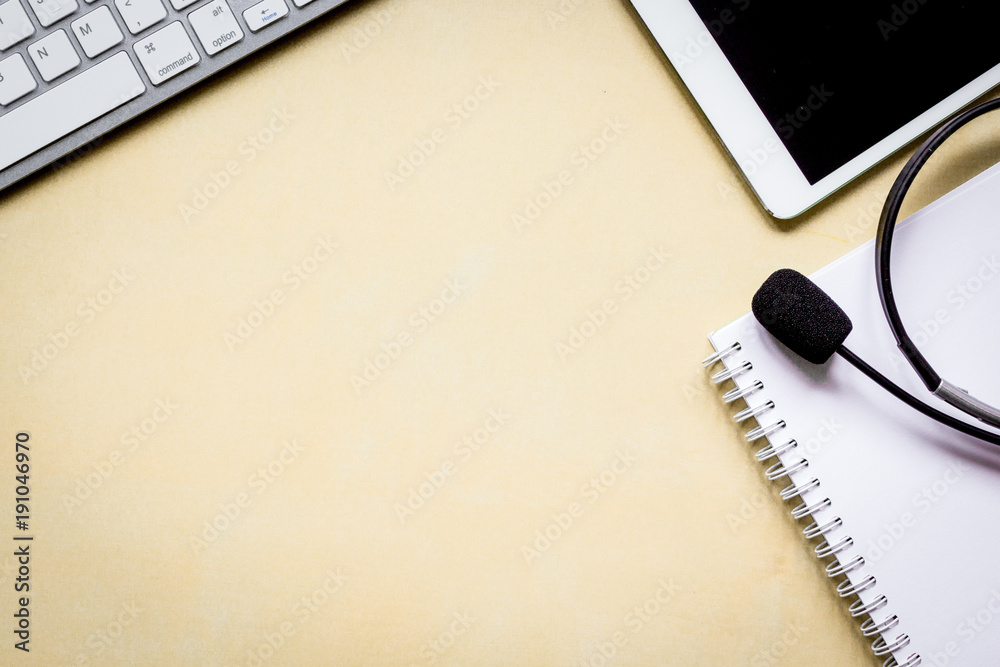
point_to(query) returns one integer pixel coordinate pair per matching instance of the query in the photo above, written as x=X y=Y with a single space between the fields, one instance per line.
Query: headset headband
x=941 y=388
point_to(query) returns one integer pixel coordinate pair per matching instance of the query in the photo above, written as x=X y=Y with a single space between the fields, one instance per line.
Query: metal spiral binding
x=831 y=545
x=804 y=510
x=837 y=568
x=744 y=415
x=870 y=628
x=793 y=491
x=881 y=647
x=826 y=549
x=730 y=373
x=721 y=354
x=736 y=394
x=771 y=451
x=779 y=470
x=815 y=530
x=847 y=588
x=763 y=431
x=861 y=609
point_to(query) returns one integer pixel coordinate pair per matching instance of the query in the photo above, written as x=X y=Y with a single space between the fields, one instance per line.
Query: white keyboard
x=71 y=70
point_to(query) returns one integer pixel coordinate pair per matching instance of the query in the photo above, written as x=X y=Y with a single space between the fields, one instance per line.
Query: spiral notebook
x=905 y=512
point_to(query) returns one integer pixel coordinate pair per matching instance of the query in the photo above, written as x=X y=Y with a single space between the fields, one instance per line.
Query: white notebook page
x=921 y=502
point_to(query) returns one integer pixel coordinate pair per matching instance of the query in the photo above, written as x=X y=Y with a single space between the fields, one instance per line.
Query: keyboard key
x=97 y=32
x=181 y=4
x=301 y=3
x=67 y=107
x=53 y=55
x=265 y=13
x=140 y=14
x=166 y=53
x=215 y=26
x=15 y=79
x=15 y=26
x=50 y=11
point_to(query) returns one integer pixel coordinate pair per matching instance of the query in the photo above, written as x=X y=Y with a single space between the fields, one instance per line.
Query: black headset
x=941 y=388
x=803 y=317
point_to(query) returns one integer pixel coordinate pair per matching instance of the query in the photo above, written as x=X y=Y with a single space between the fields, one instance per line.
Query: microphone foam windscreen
x=801 y=315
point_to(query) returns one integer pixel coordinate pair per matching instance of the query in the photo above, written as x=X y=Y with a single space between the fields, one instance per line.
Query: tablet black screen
x=833 y=79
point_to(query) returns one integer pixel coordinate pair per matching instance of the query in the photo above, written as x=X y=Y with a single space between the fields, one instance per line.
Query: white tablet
x=806 y=96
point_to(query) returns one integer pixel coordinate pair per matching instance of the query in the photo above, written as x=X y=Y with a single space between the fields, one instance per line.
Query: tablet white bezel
x=747 y=135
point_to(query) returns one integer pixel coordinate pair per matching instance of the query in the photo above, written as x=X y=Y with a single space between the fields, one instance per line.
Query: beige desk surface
x=218 y=477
